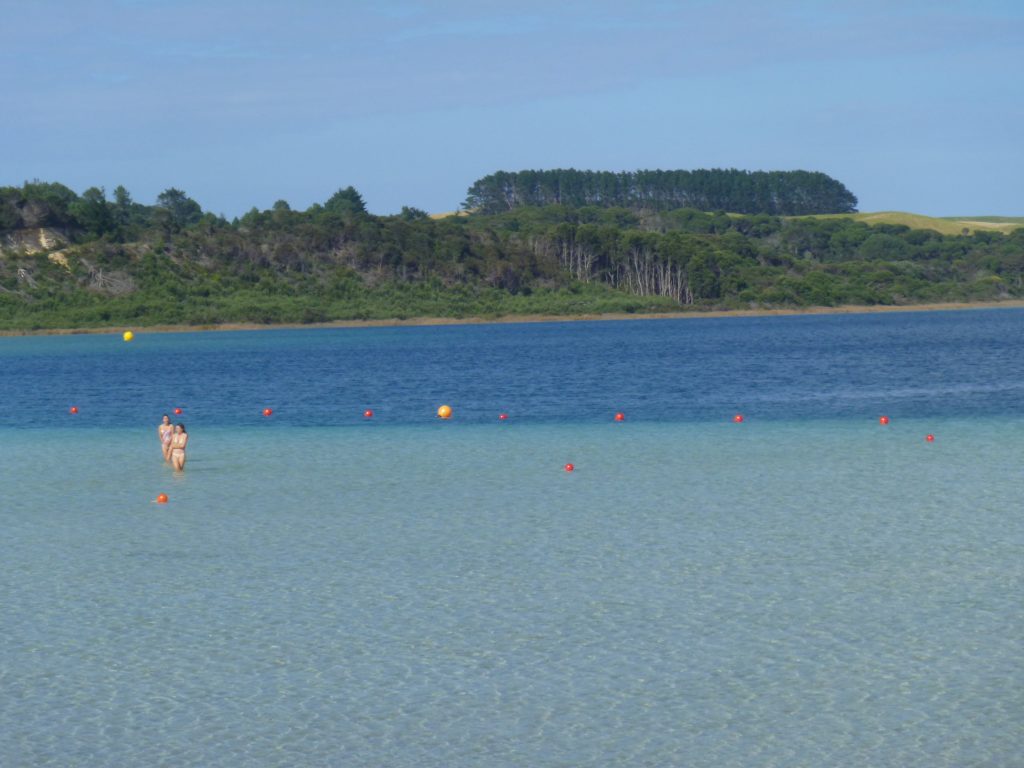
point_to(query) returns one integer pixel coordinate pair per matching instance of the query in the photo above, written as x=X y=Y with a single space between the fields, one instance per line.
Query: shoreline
x=535 y=318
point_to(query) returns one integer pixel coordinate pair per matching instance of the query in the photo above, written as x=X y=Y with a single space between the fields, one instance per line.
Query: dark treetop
x=786 y=193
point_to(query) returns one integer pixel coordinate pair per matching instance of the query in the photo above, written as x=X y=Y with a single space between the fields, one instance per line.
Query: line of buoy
x=445 y=412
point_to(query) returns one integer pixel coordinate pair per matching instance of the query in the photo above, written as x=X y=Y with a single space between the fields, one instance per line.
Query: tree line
x=170 y=262
x=783 y=193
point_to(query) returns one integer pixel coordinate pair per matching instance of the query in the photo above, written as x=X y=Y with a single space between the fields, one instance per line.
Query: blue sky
x=915 y=106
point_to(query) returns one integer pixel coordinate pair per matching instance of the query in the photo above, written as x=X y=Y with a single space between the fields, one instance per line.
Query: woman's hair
x=182 y=425
x=165 y=416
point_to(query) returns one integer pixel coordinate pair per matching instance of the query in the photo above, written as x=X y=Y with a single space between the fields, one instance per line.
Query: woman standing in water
x=165 y=431
x=178 y=442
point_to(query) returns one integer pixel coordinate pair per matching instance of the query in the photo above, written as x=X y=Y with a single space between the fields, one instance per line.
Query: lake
x=805 y=587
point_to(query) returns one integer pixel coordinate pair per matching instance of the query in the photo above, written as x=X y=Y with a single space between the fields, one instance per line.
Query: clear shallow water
x=807 y=588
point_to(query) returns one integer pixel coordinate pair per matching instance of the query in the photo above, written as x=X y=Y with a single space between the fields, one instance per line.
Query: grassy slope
x=947 y=225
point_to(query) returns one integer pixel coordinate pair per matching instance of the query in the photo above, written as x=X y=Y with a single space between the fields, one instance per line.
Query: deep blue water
x=805 y=588
x=665 y=371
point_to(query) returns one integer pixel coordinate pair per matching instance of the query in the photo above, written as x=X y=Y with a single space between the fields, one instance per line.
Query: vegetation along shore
x=527 y=245
x=426 y=321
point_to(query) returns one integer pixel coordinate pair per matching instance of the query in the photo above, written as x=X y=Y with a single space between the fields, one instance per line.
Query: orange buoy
x=738 y=418
x=177 y=411
x=444 y=412
x=161 y=498
x=883 y=420
x=620 y=416
x=367 y=414
x=930 y=438
x=73 y=409
x=268 y=411
x=570 y=467
x=502 y=417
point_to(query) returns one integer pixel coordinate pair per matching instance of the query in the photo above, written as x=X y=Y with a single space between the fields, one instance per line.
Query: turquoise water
x=809 y=590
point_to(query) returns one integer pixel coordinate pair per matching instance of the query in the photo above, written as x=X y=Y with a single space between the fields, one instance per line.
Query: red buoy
x=930 y=438
x=883 y=420
x=73 y=409
x=620 y=416
x=177 y=411
x=268 y=411
x=161 y=498
x=570 y=467
x=738 y=418
x=367 y=414
x=502 y=416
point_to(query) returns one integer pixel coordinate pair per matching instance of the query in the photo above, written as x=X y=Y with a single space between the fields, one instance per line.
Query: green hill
x=70 y=261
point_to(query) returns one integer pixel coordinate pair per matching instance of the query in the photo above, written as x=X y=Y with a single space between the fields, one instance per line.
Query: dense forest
x=782 y=193
x=93 y=260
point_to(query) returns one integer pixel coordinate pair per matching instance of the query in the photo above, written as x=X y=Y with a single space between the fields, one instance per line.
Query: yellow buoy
x=444 y=412
x=128 y=336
